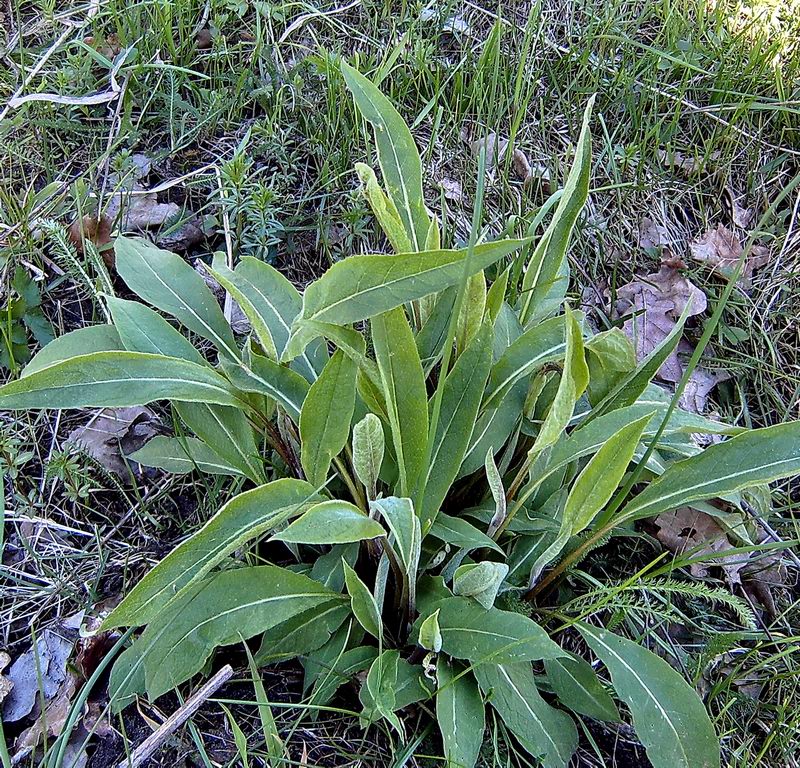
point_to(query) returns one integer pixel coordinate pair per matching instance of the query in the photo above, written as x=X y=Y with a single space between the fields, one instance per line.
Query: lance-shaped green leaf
x=277 y=303
x=541 y=344
x=577 y=686
x=166 y=281
x=266 y=377
x=385 y=210
x=403 y=384
x=471 y=632
x=368 y=447
x=495 y=482
x=574 y=378
x=117 y=379
x=84 y=341
x=342 y=670
x=181 y=455
x=242 y=519
x=397 y=155
x=404 y=525
x=430 y=636
x=365 y=609
x=545 y=732
x=142 y=329
x=230 y=606
x=471 y=315
x=752 y=458
x=460 y=713
x=547 y=258
x=379 y=692
x=331 y=522
x=593 y=488
x=610 y=356
x=360 y=287
x=326 y=415
x=669 y=717
x=457 y=532
x=228 y=430
x=461 y=398
x=433 y=334
x=480 y=581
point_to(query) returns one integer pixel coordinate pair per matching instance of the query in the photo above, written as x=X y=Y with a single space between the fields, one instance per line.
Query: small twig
x=144 y=751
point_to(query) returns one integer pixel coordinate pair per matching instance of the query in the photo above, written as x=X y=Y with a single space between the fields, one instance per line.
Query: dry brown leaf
x=452 y=190
x=742 y=217
x=51 y=721
x=699 y=386
x=720 y=250
x=5 y=683
x=689 y=530
x=113 y=433
x=655 y=302
x=96 y=230
x=684 y=163
x=495 y=149
x=653 y=236
x=520 y=165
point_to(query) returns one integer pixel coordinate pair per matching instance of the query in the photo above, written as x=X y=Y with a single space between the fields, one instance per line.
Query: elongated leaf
x=272 y=739
x=141 y=329
x=266 y=377
x=547 y=258
x=574 y=379
x=117 y=379
x=182 y=455
x=543 y=731
x=331 y=522
x=668 y=715
x=460 y=714
x=404 y=525
x=368 y=446
x=326 y=415
x=342 y=670
x=461 y=397
x=577 y=687
x=430 y=635
x=360 y=287
x=277 y=303
x=397 y=154
x=433 y=334
x=167 y=282
x=457 y=532
x=610 y=357
x=365 y=609
x=302 y=634
x=542 y=344
x=406 y=398
x=228 y=430
x=84 y=341
x=471 y=632
x=752 y=458
x=378 y=694
x=230 y=606
x=243 y=518
x=471 y=315
x=328 y=569
x=385 y=210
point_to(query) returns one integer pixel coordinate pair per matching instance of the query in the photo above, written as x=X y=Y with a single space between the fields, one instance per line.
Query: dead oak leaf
x=94 y=229
x=5 y=683
x=689 y=531
x=720 y=250
x=113 y=433
x=654 y=236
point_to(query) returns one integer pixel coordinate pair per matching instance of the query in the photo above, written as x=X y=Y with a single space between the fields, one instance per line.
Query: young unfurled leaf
x=397 y=154
x=498 y=492
x=243 y=518
x=368 y=447
x=331 y=522
x=669 y=717
x=461 y=399
x=181 y=455
x=577 y=687
x=142 y=329
x=471 y=315
x=480 y=581
x=385 y=211
x=544 y=732
x=360 y=287
x=406 y=398
x=430 y=636
x=363 y=603
x=166 y=281
x=83 y=341
x=326 y=416
x=460 y=713
x=117 y=379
